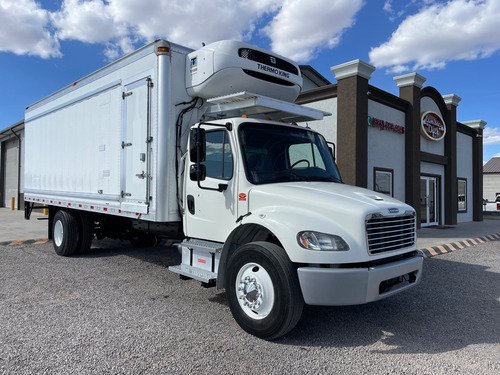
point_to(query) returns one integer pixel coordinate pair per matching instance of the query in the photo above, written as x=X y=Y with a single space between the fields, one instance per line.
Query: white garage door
x=10 y=169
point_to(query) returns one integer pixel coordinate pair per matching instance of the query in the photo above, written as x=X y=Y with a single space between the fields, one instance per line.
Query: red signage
x=433 y=127
x=385 y=125
x=242 y=197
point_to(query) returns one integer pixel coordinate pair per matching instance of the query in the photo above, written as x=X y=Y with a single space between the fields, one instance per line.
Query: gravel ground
x=117 y=310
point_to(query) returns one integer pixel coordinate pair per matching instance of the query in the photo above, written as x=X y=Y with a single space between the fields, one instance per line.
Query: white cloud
x=118 y=48
x=88 y=21
x=491 y=136
x=191 y=22
x=302 y=28
x=122 y=25
x=393 y=14
x=24 y=29
x=457 y=30
x=119 y=24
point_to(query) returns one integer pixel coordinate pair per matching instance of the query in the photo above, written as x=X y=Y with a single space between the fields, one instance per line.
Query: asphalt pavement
x=117 y=310
x=438 y=239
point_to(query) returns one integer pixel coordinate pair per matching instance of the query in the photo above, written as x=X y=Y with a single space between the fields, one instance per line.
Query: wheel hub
x=252 y=292
x=58 y=233
x=255 y=291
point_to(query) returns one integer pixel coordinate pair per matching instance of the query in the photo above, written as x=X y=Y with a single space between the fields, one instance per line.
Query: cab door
x=211 y=214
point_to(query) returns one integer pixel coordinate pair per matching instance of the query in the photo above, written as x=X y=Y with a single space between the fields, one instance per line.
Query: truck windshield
x=274 y=153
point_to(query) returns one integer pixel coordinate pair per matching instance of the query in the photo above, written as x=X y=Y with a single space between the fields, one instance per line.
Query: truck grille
x=390 y=233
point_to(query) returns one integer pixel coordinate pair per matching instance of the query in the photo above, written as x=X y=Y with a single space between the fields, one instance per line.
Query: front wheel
x=263 y=290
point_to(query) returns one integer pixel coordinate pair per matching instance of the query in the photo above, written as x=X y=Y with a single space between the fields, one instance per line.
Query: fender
x=281 y=227
x=242 y=234
x=286 y=222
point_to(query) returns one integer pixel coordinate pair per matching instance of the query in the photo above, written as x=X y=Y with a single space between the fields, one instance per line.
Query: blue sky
x=48 y=44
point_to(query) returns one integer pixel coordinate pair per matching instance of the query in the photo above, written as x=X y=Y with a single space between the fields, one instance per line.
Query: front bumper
x=355 y=286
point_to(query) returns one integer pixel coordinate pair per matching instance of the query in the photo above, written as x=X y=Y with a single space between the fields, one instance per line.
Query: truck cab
x=283 y=228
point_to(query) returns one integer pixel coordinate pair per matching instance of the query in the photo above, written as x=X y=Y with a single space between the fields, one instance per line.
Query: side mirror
x=331 y=148
x=197 y=145
x=197 y=172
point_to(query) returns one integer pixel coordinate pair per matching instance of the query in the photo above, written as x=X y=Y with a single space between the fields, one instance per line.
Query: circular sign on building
x=433 y=127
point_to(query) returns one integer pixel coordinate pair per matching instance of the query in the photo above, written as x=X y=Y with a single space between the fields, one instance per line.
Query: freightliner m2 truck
x=203 y=147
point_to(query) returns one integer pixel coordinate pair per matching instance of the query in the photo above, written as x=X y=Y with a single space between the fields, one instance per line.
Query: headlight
x=321 y=241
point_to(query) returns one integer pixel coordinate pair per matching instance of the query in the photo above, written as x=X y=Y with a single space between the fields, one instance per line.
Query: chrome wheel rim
x=58 y=233
x=255 y=291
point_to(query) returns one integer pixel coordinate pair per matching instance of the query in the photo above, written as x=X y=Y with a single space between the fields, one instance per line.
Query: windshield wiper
x=292 y=173
x=329 y=178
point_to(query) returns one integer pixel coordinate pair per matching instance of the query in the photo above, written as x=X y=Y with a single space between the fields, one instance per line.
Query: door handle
x=190 y=204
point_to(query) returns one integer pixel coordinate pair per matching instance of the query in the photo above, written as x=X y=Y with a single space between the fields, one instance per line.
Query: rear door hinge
x=125 y=94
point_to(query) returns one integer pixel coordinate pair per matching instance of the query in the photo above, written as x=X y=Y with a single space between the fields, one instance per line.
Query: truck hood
x=333 y=208
x=326 y=197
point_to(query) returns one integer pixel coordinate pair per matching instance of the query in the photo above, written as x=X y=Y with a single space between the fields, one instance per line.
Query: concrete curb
x=427 y=252
x=24 y=242
x=433 y=251
x=162 y=242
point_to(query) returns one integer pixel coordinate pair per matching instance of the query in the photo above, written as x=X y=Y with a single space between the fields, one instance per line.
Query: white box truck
x=203 y=147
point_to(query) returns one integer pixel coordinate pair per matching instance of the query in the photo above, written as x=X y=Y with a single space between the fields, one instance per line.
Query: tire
x=263 y=290
x=85 y=232
x=65 y=233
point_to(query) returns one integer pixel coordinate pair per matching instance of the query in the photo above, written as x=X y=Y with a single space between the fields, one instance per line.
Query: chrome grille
x=390 y=233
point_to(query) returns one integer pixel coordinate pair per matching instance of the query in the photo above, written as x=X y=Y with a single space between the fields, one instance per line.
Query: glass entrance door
x=428 y=201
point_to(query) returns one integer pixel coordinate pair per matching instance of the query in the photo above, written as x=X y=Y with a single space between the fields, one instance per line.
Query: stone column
x=352 y=117
x=410 y=86
x=477 y=169
x=450 y=170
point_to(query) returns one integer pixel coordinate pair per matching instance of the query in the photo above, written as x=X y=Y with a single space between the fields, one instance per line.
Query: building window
x=462 y=195
x=383 y=181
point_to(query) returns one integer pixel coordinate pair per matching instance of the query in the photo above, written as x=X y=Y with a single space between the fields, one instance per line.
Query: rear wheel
x=65 y=233
x=85 y=231
x=263 y=290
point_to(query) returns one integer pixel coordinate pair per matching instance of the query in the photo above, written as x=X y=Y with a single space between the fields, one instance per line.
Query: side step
x=200 y=260
x=193 y=273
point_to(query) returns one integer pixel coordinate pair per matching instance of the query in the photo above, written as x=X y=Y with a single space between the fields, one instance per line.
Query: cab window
x=219 y=159
x=304 y=155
